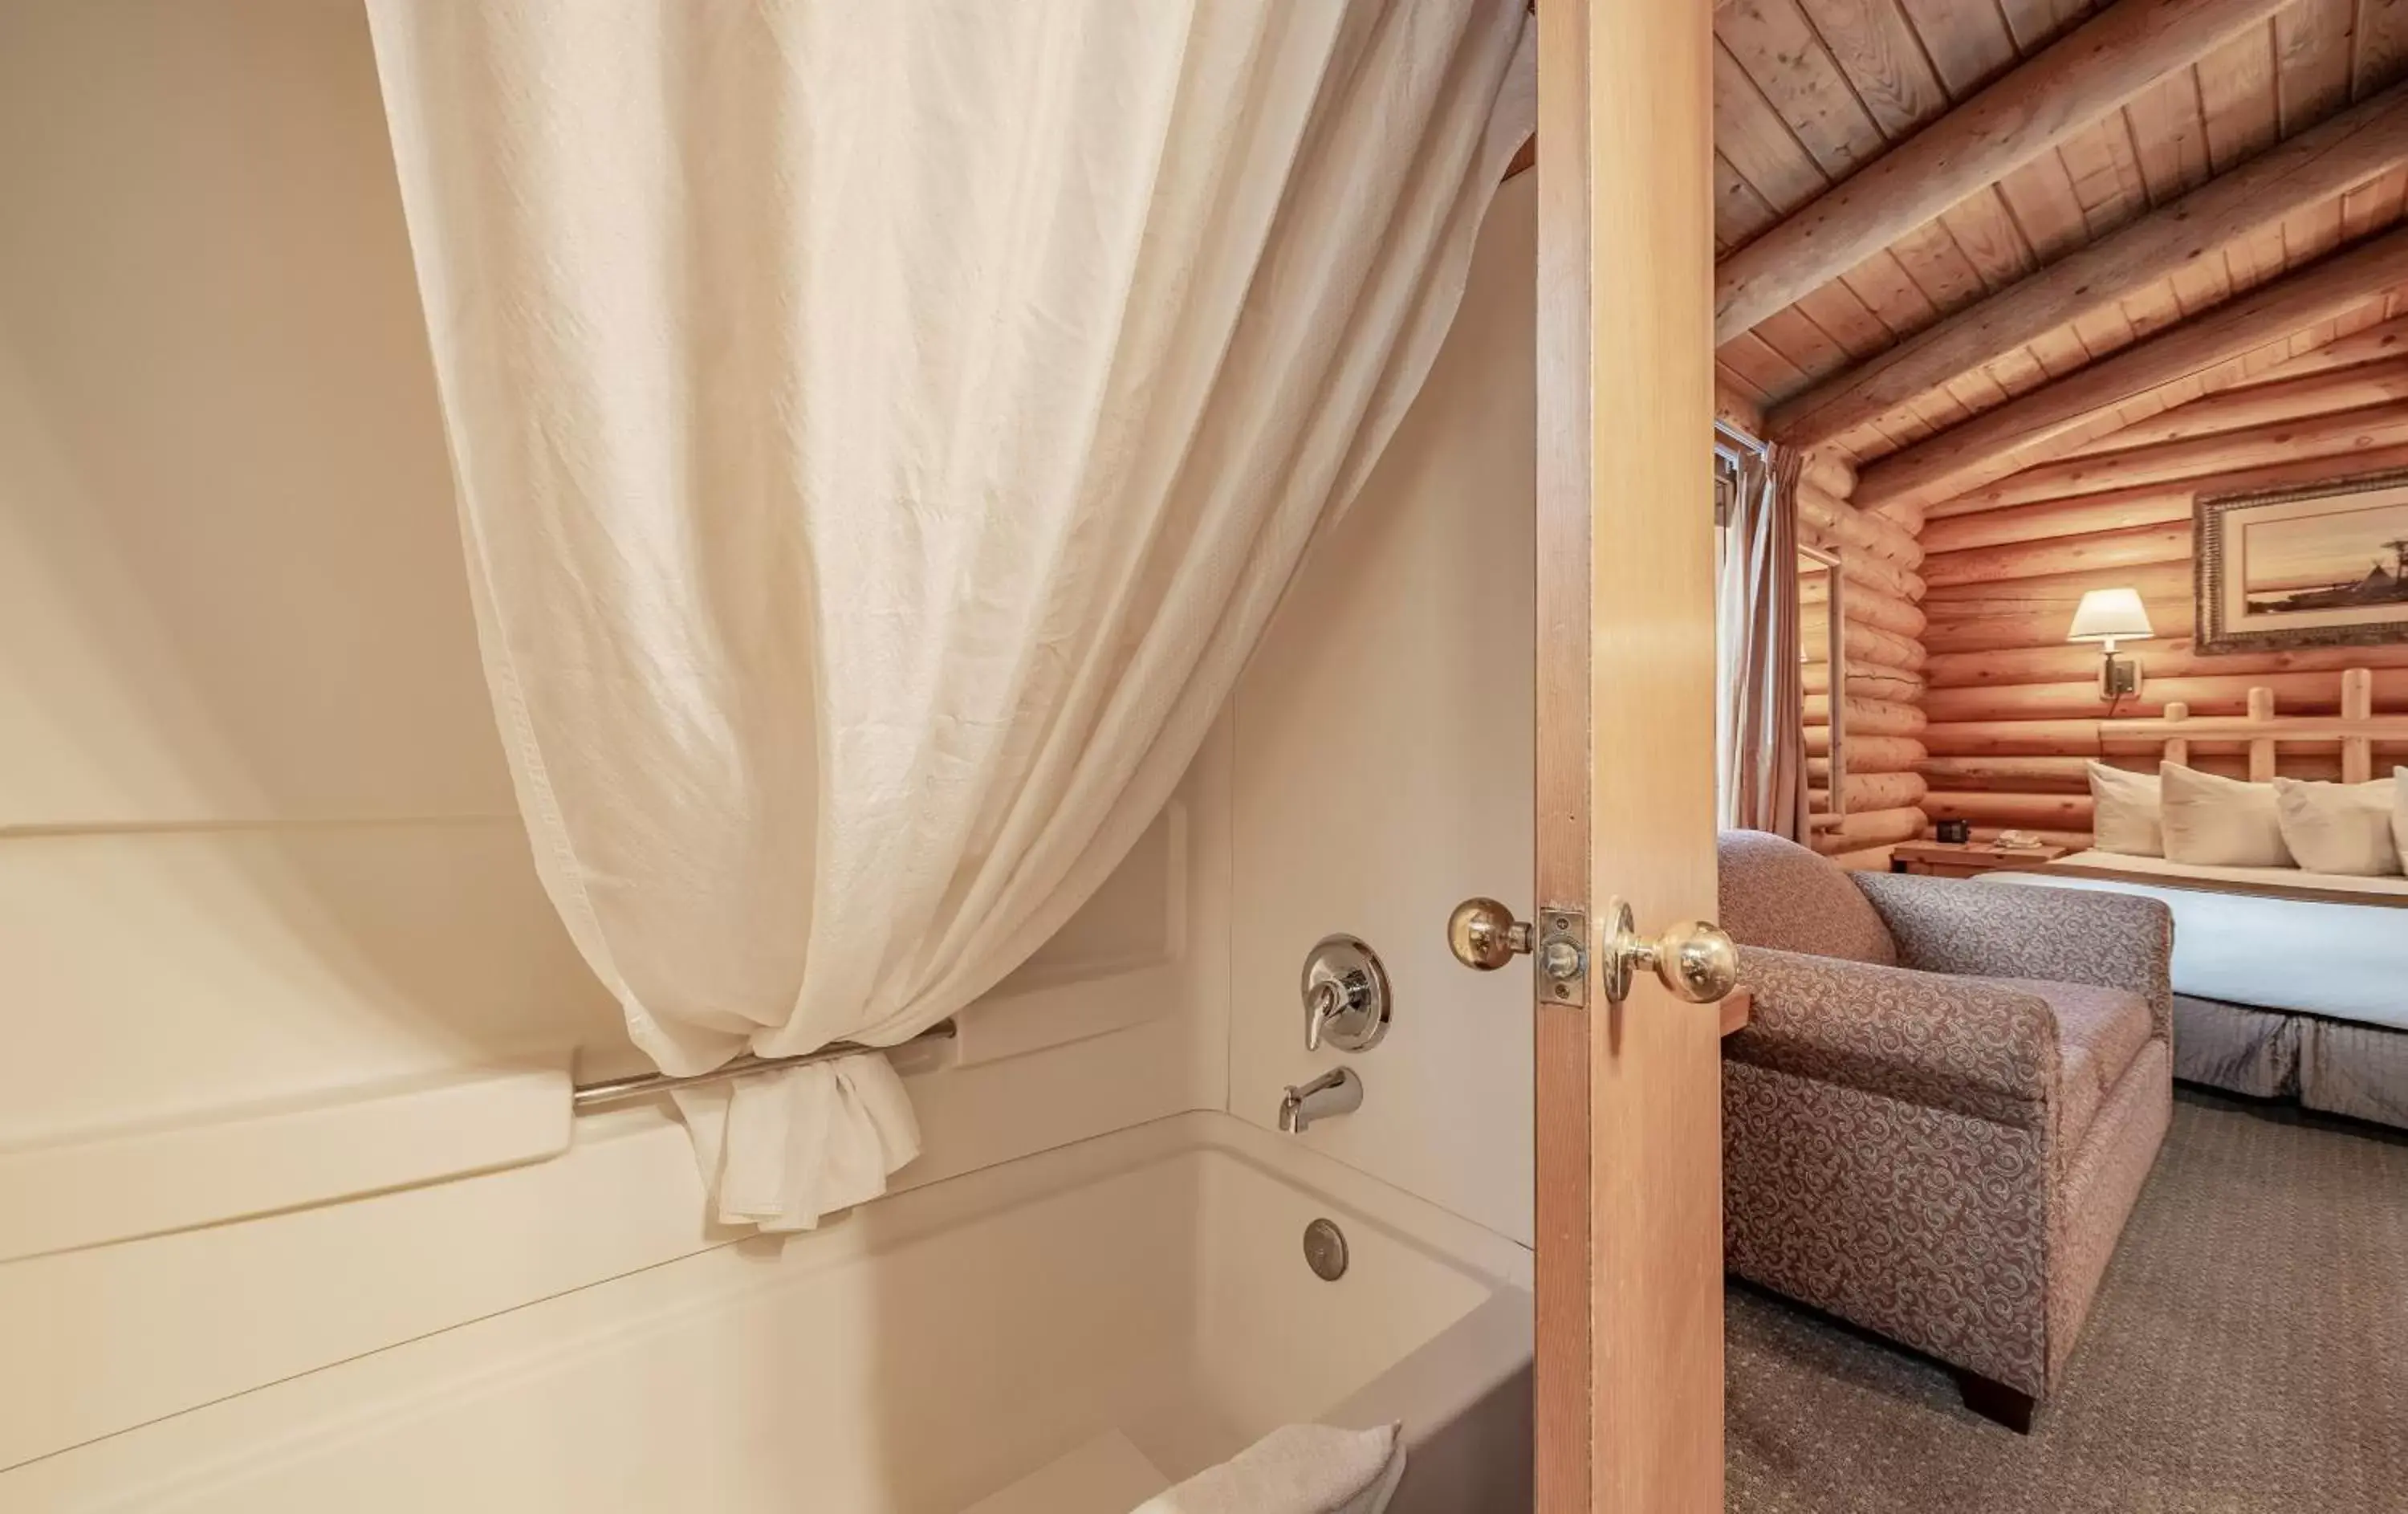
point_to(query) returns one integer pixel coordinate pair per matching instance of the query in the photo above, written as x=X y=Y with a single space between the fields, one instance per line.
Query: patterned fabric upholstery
x=2099 y=1033
x=1942 y=1148
x=1977 y=1048
x=1999 y=931
x=1779 y=894
x=2100 y=1185
x=1928 y=1226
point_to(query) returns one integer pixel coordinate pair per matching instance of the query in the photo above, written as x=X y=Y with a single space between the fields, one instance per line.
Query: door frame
x=1628 y=1356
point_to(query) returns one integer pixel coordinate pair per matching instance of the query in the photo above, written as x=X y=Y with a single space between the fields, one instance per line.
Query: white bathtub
x=1132 y=1307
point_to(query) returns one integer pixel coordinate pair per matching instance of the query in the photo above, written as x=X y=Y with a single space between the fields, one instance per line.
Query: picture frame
x=2317 y=564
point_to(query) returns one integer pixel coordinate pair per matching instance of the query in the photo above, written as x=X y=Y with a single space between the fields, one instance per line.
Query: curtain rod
x=644 y=1085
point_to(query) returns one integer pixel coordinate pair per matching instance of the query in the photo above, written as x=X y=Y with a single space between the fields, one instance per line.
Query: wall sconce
x=2109 y=616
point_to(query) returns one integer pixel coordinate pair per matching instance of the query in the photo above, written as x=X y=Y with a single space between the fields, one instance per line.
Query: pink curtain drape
x=1764 y=726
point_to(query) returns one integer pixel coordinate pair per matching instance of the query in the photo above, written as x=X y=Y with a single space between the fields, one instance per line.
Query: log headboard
x=2264 y=732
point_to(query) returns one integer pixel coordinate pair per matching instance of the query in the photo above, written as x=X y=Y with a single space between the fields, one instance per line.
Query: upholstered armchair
x=1944 y=1104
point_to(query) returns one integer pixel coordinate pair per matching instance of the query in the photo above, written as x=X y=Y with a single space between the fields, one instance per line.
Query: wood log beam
x=2159 y=582
x=2316 y=764
x=1873 y=828
x=1872 y=791
x=2210 y=696
x=1866 y=754
x=2249 y=409
x=2016 y=775
x=1868 y=606
x=2056 y=662
x=2327 y=439
x=2010 y=738
x=2134 y=546
x=2314 y=167
x=2076 y=79
x=2379 y=729
x=2174 y=498
x=1863 y=570
x=1906 y=514
x=1737 y=409
x=1828 y=471
x=1863 y=642
x=2044 y=625
x=1867 y=680
x=2072 y=773
x=1858 y=565
x=1866 y=717
x=1858 y=530
x=2049 y=519
x=2371 y=344
x=2021 y=432
x=1952 y=530
x=2061 y=812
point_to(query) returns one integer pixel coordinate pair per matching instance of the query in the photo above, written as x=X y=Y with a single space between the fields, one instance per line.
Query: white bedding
x=2348 y=962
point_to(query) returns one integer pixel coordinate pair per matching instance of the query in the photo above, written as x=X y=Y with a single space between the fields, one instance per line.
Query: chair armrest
x=1977 y=1049
x=2024 y=931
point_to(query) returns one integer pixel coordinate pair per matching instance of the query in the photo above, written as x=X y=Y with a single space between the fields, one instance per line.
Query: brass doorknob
x=1695 y=959
x=1485 y=936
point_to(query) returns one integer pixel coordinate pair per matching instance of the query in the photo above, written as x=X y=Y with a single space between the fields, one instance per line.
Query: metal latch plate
x=1561 y=958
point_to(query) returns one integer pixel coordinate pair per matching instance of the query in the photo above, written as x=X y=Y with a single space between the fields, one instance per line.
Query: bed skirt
x=2333 y=1066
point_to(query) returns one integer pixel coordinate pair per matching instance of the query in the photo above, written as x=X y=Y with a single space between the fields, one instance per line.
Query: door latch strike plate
x=1561 y=960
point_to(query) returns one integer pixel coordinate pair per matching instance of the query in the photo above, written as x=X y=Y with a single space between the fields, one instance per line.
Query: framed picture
x=2319 y=565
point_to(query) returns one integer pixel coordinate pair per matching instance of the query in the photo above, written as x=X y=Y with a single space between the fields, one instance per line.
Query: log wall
x=2011 y=711
x=1879 y=680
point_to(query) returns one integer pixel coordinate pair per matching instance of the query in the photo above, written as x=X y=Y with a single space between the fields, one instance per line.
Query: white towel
x=783 y=1150
x=1296 y=1469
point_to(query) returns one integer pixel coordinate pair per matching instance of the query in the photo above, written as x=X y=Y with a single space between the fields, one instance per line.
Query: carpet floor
x=2248 y=1354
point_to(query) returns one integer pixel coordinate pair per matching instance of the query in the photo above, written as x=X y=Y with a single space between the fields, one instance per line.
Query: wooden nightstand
x=1966 y=860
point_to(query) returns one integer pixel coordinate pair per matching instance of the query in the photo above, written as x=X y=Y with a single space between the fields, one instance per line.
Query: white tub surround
x=1141 y=1292
x=94 y=1188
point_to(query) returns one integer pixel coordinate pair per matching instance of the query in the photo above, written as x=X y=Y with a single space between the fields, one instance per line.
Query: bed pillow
x=2400 y=814
x=2124 y=811
x=2339 y=827
x=2221 y=822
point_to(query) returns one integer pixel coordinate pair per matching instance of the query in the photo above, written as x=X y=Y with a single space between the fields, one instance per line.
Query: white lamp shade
x=2111 y=615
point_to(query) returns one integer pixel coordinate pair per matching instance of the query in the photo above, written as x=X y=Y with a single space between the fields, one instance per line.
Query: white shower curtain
x=881 y=431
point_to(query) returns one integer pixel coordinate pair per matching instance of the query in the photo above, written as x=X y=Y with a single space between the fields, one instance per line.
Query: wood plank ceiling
x=1810 y=92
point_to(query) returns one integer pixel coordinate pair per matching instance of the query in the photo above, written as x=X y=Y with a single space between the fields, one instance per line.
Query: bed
x=2288 y=983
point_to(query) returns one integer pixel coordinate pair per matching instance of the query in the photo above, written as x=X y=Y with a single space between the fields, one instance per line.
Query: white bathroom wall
x=257 y=842
x=1383 y=756
x=256 y=835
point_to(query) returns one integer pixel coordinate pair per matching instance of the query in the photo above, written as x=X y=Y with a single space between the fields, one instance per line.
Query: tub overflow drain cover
x=1325 y=1249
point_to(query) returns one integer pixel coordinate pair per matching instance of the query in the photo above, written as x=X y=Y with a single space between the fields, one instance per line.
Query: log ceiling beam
x=2316 y=166
x=2075 y=81
x=2017 y=434
x=2223 y=411
x=2136 y=505
x=2371 y=345
x=2334 y=434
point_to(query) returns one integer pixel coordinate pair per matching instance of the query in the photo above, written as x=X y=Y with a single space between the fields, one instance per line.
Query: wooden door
x=1630 y=1368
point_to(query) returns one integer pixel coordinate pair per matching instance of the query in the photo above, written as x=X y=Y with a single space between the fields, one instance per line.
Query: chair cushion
x=1780 y=895
x=2099 y=1034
